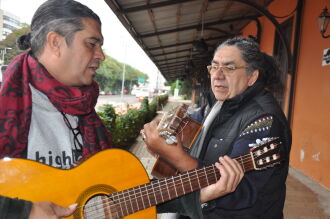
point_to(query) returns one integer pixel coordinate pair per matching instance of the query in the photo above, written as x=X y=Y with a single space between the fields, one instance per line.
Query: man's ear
x=253 y=77
x=54 y=42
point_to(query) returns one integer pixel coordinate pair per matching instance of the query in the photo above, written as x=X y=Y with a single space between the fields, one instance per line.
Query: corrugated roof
x=167 y=29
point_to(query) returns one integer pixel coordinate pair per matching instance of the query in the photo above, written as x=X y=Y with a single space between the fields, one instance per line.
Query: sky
x=116 y=38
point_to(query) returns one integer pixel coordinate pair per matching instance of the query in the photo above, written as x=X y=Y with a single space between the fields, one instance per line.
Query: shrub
x=124 y=129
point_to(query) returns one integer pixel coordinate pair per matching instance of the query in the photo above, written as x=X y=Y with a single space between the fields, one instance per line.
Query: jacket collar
x=246 y=95
x=230 y=106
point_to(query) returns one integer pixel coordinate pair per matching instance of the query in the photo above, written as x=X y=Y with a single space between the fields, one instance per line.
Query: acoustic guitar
x=113 y=183
x=175 y=124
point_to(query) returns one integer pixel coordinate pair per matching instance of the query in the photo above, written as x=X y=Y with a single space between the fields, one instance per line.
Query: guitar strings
x=185 y=114
x=183 y=184
x=116 y=213
x=132 y=208
x=147 y=192
x=120 y=200
x=125 y=200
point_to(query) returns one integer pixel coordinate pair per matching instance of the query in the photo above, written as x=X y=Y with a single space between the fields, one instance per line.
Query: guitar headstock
x=266 y=153
x=171 y=123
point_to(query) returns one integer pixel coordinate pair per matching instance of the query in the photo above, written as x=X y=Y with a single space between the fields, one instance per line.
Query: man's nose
x=219 y=74
x=100 y=54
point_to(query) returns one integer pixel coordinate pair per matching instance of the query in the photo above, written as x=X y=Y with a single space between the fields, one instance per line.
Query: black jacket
x=231 y=133
x=14 y=208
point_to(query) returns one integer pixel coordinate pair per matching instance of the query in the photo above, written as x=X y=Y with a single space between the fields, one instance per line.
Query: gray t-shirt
x=50 y=140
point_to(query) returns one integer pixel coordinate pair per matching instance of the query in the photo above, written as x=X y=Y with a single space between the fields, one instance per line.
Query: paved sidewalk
x=305 y=199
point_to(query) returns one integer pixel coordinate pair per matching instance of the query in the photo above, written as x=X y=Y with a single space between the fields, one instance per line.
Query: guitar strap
x=197 y=146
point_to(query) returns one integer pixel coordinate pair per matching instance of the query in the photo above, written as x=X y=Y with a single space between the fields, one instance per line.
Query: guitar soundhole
x=100 y=206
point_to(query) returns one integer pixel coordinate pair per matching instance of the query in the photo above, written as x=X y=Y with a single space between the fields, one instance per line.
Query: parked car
x=143 y=92
x=115 y=92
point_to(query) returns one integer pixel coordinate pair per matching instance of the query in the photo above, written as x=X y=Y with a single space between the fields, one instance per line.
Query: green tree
x=10 y=42
x=109 y=75
x=184 y=87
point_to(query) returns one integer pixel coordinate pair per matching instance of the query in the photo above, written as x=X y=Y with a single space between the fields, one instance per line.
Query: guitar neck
x=141 y=197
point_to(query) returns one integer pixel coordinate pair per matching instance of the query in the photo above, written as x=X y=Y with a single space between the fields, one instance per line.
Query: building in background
x=8 y=23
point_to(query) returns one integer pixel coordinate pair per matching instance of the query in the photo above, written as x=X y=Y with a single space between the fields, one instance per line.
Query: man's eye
x=92 y=44
x=215 y=67
x=230 y=67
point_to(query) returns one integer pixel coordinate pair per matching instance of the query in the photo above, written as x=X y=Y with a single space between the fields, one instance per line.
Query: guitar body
x=162 y=169
x=186 y=129
x=106 y=172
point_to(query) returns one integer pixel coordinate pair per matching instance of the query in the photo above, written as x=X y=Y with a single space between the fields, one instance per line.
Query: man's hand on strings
x=231 y=174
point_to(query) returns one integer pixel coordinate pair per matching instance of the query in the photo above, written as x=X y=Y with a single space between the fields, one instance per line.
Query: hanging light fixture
x=200 y=44
x=324 y=19
x=189 y=66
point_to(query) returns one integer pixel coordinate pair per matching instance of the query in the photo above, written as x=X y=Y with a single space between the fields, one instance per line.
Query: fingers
x=148 y=127
x=158 y=146
x=143 y=134
x=151 y=137
x=231 y=173
x=47 y=209
x=64 y=211
x=239 y=172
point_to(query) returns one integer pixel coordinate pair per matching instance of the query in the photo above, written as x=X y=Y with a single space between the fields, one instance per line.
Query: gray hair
x=61 y=16
x=256 y=60
x=64 y=27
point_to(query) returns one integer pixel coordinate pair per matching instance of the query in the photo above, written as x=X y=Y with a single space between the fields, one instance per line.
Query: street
x=116 y=100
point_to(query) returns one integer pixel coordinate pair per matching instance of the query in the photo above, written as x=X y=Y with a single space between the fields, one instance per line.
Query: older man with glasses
x=241 y=114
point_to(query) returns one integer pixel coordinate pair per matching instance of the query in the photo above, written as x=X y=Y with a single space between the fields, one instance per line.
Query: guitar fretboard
x=144 y=196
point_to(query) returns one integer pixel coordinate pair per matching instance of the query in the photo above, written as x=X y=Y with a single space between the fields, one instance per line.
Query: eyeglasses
x=75 y=131
x=227 y=69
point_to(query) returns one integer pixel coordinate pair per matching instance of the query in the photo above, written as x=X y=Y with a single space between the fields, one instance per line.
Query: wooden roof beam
x=198 y=26
x=190 y=42
x=151 y=6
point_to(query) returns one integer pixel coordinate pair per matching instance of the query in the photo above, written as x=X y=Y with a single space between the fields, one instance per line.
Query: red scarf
x=16 y=107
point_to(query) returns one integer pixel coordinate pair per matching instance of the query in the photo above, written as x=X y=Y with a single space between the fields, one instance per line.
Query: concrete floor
x=306 y=199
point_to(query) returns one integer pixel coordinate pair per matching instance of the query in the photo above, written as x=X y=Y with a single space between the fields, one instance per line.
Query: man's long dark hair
x=255 y=59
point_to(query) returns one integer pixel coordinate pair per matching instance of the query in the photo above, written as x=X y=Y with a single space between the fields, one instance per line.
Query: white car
x=143 y=92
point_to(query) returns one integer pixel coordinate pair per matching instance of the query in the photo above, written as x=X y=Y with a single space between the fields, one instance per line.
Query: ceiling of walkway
x=170 y=31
